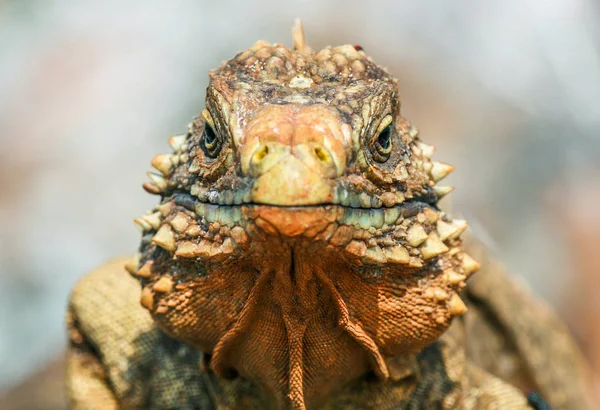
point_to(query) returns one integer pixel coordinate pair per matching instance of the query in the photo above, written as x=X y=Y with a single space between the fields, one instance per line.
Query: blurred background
x=509 y=92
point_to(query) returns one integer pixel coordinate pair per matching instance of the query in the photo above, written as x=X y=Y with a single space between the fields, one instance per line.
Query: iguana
x=298 y=259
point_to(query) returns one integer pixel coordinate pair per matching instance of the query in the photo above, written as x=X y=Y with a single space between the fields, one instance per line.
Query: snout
x=294 y=153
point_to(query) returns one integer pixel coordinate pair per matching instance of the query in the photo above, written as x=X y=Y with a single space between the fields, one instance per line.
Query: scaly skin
x=298 y=243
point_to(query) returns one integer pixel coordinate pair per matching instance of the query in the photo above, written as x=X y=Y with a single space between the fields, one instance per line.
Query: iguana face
x=298 y=239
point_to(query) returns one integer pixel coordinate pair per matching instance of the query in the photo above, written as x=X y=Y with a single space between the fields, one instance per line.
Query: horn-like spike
x=442 y=191
x=151 y=188
x=162 y=163
x=142 y=225
x=132 y=264
x=166 y=208
x=453 y=278
x=426 y=150
x=427 y=165
x=158 y=180
x=145 y=271
x=164 y=285
x=357 y=248
x=416 y=235
x=456 y=306
x=445 y=230
x=440 y=170
x=155 y=219
x=433 y=246
x=397 y=254
x=147 y=298
x=177 y=141
x=375 y=255
x=165 y=238
x=469 y=264
x=180 y=222
x=460 y=225
x=190 y=249
x=299 y=38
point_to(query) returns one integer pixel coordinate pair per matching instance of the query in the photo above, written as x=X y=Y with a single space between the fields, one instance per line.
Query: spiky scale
x=426 y=150
x=440 y=170
x=469 y=265
x=158 y=180
x=180 y=222
x=453 y=278
x=357 y=248
x=147 y=298
x=154 y=219
x=460 y=225
x=177 y=141
x=456 y=306
x=375 y=255
x=433 y=246
x=151 y=188
x=164 y=285
x=416 y=235
x=142 y=225
x=162 y=163
x=165 y=238
x=445 y=230
x=145 y=271
x=397 y=254
x=188 y=249
x=132 y=264
x=443 y=190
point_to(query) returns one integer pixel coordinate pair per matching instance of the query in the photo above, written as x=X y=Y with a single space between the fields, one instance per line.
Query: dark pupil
x=209 y=135
x=384 y=138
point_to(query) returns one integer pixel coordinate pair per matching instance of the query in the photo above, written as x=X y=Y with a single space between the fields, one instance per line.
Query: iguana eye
x=382 y=146
x=211 y=145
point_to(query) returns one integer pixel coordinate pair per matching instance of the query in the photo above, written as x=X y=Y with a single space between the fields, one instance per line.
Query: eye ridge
x=211 y=144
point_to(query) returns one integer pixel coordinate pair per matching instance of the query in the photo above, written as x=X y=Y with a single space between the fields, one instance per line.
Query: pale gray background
x=509 y=91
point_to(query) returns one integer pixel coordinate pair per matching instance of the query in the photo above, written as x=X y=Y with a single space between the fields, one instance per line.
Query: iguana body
x=299 y=245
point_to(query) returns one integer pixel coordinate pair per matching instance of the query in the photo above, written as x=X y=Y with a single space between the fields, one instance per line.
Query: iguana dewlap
x=298 y=259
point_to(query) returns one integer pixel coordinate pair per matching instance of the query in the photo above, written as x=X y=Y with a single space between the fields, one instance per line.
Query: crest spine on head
x=299 y=38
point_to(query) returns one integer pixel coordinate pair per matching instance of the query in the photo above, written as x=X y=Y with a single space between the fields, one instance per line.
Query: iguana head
x=298 y=239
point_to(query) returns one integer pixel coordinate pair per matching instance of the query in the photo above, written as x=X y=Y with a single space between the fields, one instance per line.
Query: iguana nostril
x=260 y=154
x=323 y=155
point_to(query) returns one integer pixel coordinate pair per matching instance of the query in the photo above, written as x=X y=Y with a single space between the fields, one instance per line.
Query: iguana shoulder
x=518 y=338
x=118 y=358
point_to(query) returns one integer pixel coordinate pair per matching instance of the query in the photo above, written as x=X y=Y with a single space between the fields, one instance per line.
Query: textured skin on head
x=297 y=244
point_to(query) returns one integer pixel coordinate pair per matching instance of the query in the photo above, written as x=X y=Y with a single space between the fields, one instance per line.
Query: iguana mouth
x=366 y=217
x=374 y=224
x=406 y=235
x=343 y=196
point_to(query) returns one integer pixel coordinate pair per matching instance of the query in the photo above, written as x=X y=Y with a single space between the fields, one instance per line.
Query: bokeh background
x=509 y=91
